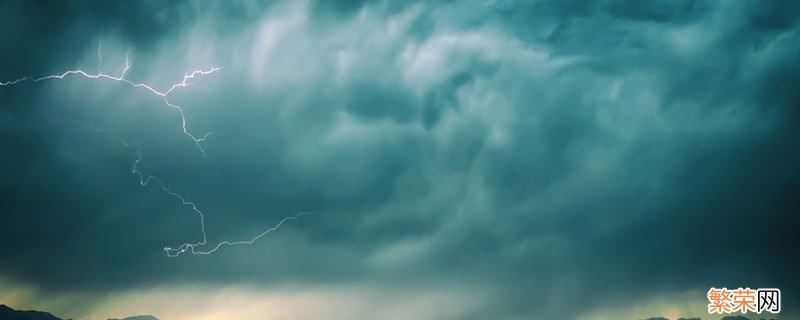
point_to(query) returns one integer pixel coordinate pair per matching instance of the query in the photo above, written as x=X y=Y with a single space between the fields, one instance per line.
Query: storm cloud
x=512 y=157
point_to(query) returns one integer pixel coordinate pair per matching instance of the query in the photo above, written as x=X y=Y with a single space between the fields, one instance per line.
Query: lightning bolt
x=164 y=95
x=144 y=180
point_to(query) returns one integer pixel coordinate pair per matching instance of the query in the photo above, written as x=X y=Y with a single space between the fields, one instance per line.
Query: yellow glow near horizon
x=246 y=302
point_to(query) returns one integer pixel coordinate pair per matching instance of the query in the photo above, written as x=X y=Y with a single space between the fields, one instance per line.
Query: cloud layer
x=525 y=155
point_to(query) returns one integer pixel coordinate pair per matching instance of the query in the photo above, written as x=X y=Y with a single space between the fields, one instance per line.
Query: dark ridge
x=7 y=313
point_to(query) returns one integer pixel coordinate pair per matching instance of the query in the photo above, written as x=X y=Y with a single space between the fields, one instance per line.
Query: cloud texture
x=508 y=157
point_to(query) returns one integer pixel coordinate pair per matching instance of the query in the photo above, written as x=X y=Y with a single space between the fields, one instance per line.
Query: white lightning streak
x=163 y=94
x=144 y=180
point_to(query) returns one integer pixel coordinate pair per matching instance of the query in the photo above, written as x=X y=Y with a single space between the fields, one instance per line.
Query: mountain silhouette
x=7 y=313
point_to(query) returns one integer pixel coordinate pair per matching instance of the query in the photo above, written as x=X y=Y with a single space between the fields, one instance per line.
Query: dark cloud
x=540 y=151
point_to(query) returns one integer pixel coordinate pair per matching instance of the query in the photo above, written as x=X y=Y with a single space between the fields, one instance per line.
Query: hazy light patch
x=687 y=305
x=239 y=302
x=436 y=59
x=347 y=129
x=690 y=39
x=398 y=254
x=200 y=302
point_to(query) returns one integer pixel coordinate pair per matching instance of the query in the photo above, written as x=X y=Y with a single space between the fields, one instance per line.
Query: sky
x=459 y=159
